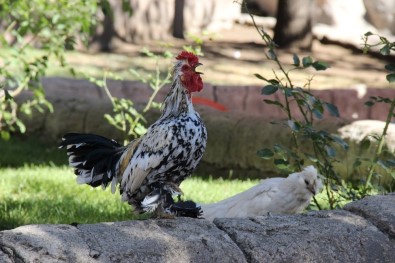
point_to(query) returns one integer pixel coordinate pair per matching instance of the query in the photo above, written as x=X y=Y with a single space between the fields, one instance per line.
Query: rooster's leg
x=162 y=201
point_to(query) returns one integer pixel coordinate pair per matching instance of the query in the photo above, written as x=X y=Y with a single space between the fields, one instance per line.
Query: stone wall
x=362 y=232
x=234 y=136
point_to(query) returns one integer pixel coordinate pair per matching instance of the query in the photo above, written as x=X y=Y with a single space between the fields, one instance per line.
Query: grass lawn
x=50 y=194
x=36 y=186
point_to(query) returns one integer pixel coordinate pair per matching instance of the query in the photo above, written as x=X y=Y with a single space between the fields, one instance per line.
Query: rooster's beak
x=197 y=65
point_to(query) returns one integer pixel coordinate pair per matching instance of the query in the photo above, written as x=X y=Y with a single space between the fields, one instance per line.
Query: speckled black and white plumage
x=167 y=154
x=150 y=169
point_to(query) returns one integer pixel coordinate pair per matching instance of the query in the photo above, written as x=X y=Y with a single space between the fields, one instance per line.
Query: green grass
x=213 y=190
x=43 y=194
x=37 y=187
x=50 y=195
x=21 y=151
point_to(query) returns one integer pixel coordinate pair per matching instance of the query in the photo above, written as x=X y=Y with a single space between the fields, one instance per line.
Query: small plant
x=308 y=144
x=197 y=42
x=381 y=157
x=50 y=25
x=126 y=117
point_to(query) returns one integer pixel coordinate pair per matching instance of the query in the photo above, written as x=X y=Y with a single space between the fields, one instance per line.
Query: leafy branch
x=126 y=117
x=51 y=26
x=303 y=131
x=388 y=165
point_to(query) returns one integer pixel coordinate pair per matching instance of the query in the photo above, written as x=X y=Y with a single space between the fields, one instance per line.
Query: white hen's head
x=307 y=181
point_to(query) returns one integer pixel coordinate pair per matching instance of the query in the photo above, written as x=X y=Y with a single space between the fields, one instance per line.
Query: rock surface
x=326 y=236
x=378 y=210
x=180 y=240
x=364 y=233
x=369 y=129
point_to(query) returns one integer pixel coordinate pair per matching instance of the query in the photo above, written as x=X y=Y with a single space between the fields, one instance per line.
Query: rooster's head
x=185 y=69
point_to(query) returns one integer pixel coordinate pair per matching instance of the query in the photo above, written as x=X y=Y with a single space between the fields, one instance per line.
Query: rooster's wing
x=150 y=156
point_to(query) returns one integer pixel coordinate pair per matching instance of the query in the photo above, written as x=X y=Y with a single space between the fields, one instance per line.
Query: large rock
x=322 y=236
x=327 y=236
x=371 y=130
x=379 y=210
x=180 y=240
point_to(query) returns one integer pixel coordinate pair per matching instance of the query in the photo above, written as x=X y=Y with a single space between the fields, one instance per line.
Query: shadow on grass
x=68 y=210
x=23 y=150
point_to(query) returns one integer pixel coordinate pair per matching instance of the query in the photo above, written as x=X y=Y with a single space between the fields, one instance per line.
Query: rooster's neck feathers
x=178 y=100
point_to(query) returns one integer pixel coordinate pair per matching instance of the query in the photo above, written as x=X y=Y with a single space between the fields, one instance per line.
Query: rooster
x=272 y=196
x=149 y=169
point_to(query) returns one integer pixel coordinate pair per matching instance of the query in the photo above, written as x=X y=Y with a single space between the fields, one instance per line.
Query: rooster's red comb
x=185 y=55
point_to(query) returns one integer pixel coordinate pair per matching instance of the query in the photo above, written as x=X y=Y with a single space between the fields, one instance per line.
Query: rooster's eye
x=185 y=67
x=306 y=182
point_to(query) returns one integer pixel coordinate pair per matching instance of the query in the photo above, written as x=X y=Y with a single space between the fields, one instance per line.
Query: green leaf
x=383 y=164
x=272 y=55
x=140 y=130
x=278 y=148
x=330 y=151
x=368 y=34
x=274 y=102
x=273 y=81
x=385 y=100
x=260 y=77
x=357 y=163
x=7 y=95
x=390 y=67
x=294 y=125
x=385 y=51
x=296 y=60
x=168 y=54
x=365 y=144
x=269 y=89
x=369 y=103
x=301 y=102
x=320 y=65
x=288 y=92
x=390 y=163
x=307 y=61
x=5 y=135
x=339 y=141
x=317 y=114
x=265 y=153
x=312 y=158
x=390 y=77
x=281 y=164
x=21 y=126
x=333 y=111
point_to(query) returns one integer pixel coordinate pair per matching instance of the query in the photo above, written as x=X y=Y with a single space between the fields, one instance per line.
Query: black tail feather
x=94 y=157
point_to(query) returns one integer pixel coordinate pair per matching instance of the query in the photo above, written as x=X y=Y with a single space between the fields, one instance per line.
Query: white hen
x=289 y=195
